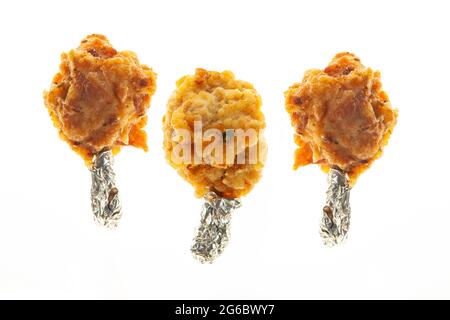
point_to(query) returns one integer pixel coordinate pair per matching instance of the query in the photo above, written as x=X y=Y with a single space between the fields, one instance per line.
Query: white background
x=400 y=233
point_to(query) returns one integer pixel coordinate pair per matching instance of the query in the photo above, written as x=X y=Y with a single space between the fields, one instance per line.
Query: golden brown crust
x=99 y=98
x=221 y=102
x=341 y=116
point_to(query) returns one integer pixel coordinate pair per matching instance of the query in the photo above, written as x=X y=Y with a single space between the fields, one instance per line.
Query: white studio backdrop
x=399 y=238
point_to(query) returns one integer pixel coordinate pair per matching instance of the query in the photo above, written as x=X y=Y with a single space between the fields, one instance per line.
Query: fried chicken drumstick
x=342 y=120
x=98 y=102
x=213 y=104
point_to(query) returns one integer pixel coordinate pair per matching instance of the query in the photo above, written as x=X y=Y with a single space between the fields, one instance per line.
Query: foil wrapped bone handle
x=105 y=201
x=214 y=231
x=336 y=212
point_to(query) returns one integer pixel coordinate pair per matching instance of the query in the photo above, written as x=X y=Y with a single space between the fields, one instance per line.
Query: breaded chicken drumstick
x=98 y=102
x=213 y=138
x=342 y=120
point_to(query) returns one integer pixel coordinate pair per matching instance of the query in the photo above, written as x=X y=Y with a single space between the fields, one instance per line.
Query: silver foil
x=214 y=230
x=104 y=193
x=336 y=212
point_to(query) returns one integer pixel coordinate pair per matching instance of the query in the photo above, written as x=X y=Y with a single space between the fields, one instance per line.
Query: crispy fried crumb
x=219 y=101
x=341 y=116
x=99 y=98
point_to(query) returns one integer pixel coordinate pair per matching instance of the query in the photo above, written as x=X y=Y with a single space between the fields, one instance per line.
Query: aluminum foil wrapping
x=336 y=213
x=104 y=193
x=214 y=231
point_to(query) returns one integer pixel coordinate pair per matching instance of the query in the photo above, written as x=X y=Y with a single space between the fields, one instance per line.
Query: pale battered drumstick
x=98 y=102
x=212 y=107
x=342 y=120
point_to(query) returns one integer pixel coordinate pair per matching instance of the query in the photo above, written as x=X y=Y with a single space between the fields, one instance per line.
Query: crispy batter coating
x=221 y=102
x=341 y=116
x=99 y=98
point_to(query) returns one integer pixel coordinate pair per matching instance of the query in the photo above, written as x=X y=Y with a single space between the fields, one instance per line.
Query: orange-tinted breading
x=341 y=116
x=99 y=98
